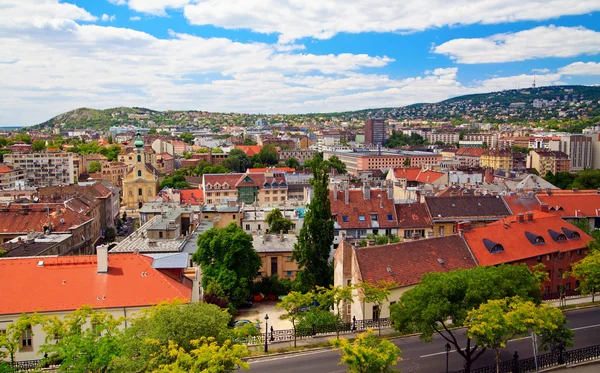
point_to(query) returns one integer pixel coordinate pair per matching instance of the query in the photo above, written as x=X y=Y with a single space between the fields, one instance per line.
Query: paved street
x=422 y=357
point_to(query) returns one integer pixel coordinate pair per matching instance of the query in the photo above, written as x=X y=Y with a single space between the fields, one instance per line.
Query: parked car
x=241 y=323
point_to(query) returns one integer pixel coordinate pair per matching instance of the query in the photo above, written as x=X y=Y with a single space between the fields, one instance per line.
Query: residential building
x=469 y=157
x=375 y=131
x=411 y=183
x=402 y=263
x=545 y=161
x=532 y=238
x=254 y=217
x=414 y=221
x=57 y=286
x=356 y=161
x=44 y=168
x=579 y=148
x=10 y=177
x=114 y=172
x=490 y=139
x=446 y=212
x=220 y=188
x=87 y=159
x=223 y=214
x=301 y=155
x=268 y=188
x=37 y=244
x=142 y=181
x=443 y=137
x=162 y=145
x=496 y=159
x=275 y=251
x=165 y=163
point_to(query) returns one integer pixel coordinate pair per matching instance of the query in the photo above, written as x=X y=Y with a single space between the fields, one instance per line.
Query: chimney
x=366 y=191
x=390 y=191
x=335 y=192
x=520 y=218
x=464 y=225
x=543 y=207
x=529 y=216
x=346 y=194
x=281 y=236
x=102 y=258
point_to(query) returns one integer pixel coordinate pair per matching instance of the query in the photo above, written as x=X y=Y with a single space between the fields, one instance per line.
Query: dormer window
x=361 y=218
x=217 y=186
x=535 y=239
x=373 y=217
x=570 y=234
x=390 y=217
x=345 y=218
x=225 y=186
x=493 y=247
x=557 y=236
x=208 y=186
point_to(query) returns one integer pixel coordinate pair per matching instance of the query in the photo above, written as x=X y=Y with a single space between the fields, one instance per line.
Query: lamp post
x=266 y=333
x=448 y=347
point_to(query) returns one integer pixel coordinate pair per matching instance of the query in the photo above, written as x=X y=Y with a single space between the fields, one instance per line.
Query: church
x=142 y=182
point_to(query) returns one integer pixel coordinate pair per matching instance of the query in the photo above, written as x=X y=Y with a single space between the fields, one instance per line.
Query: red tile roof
x=191 y=196
x=67 y=283
x=417 y=174
x=572 y=205
x=521 y=204
x=413 y=215
x=272 y=169
x=5 y=169
x=212 y=179
x=511 y=235
x=470 y=152
x=358 y=206
x=15 y=220
x=258 y=180
x=408 y=261
x=250 y=150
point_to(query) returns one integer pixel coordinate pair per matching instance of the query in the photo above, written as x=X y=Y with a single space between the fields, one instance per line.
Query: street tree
x=179 y=323
x=228 y=258
x=497 y=321
x=11 y=340
x=587 y=271
x=95 y=166
x=442 y=301
x=337 y=296
x=335 y=163
x=292 y=304
x=376 y=293
x=110 y=234
x=277 y=222
x=368 y=354
x=85 y=340
x=292 y=163
x=206 y=356
x=315 y=239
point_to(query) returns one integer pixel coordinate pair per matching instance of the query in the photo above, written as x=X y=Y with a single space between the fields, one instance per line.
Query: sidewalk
x=573 y=300
x=585 y=368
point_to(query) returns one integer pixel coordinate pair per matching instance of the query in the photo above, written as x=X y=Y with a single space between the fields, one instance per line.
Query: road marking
x=513 y=340
x=266 y=359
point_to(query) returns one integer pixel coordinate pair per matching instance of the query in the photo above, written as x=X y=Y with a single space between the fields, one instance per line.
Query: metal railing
x=549 y=360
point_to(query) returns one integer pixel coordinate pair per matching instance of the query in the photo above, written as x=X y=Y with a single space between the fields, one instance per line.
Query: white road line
x=513 y=340
x=263 y=360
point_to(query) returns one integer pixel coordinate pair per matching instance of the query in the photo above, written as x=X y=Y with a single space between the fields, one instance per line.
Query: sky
x=284 y=56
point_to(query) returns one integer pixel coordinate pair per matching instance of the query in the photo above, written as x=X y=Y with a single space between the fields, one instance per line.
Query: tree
x=335 y=163
x=497 y=321
x=39 y=145
x=227 y=257
x=292 y=163
x=22 y=137
x=399 y=139
x=277 y=223
x=152 y=131
x=268 y=155
x=243 y=158
x=376 y=293
x=187 y=137
x=110 y=234
x=587 y=271
x=95 y=167
x=368 y=354
x=124 y=217
x=406 y=162
x=84 y=341
x=207 y=356
x=442 y=300
x=176 y=322
x=382 y=239
x=10 y=340
x=249 y=142
x=292 y=304
x=338 y=296
x=315 y=239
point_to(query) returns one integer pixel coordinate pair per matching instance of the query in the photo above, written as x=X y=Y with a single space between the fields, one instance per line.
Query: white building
x=44 y=168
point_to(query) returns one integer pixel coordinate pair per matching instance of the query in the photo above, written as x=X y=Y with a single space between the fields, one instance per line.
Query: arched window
x=139 y=173
x=140 y=191
x=139 y=157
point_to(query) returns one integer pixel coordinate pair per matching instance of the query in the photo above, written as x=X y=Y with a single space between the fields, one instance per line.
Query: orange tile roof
x=262 y=170
x=5 y=169
x=250 y=150
x=67 y=283
x=511 y=235
x=409 y=174
x=15 y=220
x=572 y=205
x=358 y=206
x=191 y=196
x=470 y=152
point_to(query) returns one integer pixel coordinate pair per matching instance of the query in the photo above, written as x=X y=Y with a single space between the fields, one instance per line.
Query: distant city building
x=10 y=177
x=579 y=149
x=548 y=161
x=491 y=139
x=375 y=131
x=497 y=159
x=44 y=168
x=446 y=138
x=356 y=161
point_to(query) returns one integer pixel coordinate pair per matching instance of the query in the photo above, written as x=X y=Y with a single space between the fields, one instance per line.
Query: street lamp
x=448 y=347
x=266 y=333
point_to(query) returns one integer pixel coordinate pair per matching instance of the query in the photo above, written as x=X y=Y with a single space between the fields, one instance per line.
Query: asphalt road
x=421 y=357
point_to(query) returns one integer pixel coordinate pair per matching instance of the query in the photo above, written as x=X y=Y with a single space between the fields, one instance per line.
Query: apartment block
x=545 y=161
x=580 y=150
x=44 y=168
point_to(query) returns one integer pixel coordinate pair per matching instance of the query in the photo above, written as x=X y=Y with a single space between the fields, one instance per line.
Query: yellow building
x=497 y=159
x=142 y=181
x=275 y=251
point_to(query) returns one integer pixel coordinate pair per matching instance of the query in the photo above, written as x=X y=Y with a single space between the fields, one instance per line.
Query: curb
x=275 y=354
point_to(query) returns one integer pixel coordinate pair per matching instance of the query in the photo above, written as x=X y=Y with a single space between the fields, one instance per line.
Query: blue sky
x=284 y=56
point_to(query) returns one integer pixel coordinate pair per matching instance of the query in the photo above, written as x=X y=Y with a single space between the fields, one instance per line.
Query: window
x=233 y=216
x=390 y=217
x=568 y=286
x=288 y=273
x=273 y=265
x=539 y=259
x=139 y=158
x=375 y=313
x=441 y=231
x=348 y=282
x=140 y=193
x=547 y=291
x=579 y=252
x=548 y=257
x=570 y=255
x=361 y=218
x=26 y=339
x=373 y=217
x=209 y=200
x=247 y=227
x=560 y=273
x=160 y=234
x=274 y=199
x=288 y=258
x=345 y=218
x=267 y=199
x=259 y=227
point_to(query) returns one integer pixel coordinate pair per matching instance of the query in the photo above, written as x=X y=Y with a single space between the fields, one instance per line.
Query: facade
x=375 y=131
x=254 y=218
x=579 y=148
x=469 y=157
x=275 y=251
x=414 y=221
x=301 y=155
x=356 y=161
x=108 y=282
x=220 y=188
x=444 y=137
x=141 y=183
x=491 y=139
x=44 y=168
x=114 y=172
x=545 y=161
x=223 y=215
x=496 y=159
x=10 y=177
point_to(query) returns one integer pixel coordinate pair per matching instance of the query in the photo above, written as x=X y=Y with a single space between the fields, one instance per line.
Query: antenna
x=533 y=86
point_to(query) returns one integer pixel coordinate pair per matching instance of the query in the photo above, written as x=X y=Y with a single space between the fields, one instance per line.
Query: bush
x=315 y=316
x=272 y=285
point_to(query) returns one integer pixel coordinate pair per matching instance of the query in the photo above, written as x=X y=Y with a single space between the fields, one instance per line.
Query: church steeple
x=139 y=143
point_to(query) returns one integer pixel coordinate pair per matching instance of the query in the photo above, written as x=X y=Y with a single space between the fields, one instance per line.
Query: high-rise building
x=375 y=131
x=580 y=150
x=44 y=168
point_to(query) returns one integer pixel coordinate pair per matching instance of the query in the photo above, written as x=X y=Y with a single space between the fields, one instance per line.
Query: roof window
x=571 y=234
x=361 y=218
x=345 y=218
x=493 y=247
x=535 y=239
x=556 y=236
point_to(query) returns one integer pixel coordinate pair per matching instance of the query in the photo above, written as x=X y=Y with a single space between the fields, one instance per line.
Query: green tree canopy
x=376 y=293
x=587 y=271
x=95 y=166
x=277 y=223
x=292 y=163
x=368 y=354
x=228 y=258
x=335 y=163
x=399 y=139
x=187 y=137
x=39 y=145
x=441 y=298
x=268 y=155
x=291 y=304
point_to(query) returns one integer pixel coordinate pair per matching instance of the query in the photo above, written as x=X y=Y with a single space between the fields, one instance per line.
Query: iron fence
x=544 y=361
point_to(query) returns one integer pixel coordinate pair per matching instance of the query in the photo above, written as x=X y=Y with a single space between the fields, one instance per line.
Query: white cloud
x=581 y=68
x=135 y=18
x=154 y=7
x=118 y=2
x=293 y=19
x=107 y=18
x=541 y=71
x=540 y=42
